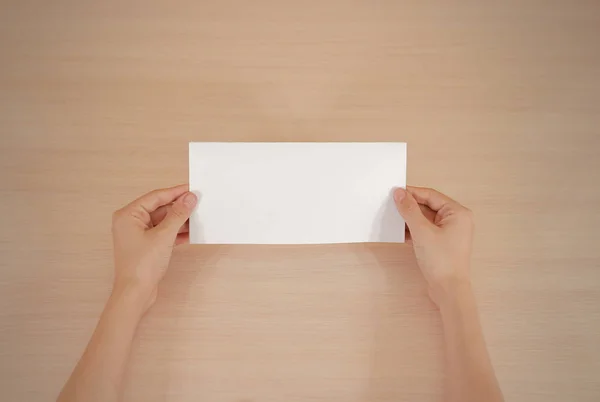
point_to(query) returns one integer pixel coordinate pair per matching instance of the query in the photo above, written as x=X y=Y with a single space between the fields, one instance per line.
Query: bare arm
x=441 y=230
x=100 y=370
x=469 y=371
x=144 y=233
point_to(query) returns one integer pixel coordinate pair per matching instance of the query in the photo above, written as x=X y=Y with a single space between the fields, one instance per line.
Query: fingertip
x=190 y=200
x=399 y=194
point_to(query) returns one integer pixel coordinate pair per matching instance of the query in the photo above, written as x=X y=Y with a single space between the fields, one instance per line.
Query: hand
x=144 y=234
x=442 y=234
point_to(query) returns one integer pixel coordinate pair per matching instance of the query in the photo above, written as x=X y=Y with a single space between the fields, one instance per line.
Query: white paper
x=296 y=193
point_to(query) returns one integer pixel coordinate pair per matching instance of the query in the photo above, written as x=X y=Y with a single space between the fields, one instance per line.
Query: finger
x=185 y=228
x=432 y=198
x=407 y=235
x=155 y=199
x=178 y=213
x=158 y=216
x=182 y=238
x=411 y=212
x=429 y=213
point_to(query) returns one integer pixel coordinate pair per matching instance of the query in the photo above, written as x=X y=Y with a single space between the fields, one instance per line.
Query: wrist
x=131 y=298
x=449 y=290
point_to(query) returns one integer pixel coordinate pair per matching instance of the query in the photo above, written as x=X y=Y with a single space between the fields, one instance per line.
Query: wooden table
x=498 y=101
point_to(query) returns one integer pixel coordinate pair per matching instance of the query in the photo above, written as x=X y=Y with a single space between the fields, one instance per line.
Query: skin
x=144 y=235
x=146 y=231
x=442 y=235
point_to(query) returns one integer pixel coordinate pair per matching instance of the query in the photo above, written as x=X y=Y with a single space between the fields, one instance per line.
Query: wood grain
x=499 y=103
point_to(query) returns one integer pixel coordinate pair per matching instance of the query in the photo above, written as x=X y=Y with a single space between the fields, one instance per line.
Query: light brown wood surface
x=499 y=103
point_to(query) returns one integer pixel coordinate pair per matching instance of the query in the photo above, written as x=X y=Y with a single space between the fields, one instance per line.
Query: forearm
x=99 y=373
x=470 y=375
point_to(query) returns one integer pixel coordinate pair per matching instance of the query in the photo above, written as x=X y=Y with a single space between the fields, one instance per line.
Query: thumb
x=409 y=210
x=179 y=212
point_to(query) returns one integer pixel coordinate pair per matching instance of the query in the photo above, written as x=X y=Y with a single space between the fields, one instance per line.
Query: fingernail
x=190 y=199
x=399 y=194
